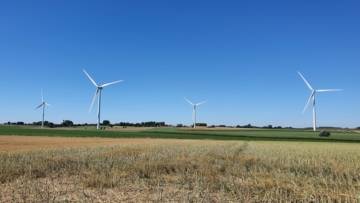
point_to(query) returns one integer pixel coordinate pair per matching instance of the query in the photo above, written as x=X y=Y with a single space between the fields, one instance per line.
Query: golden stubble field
x=40 y=169
x=33 y=143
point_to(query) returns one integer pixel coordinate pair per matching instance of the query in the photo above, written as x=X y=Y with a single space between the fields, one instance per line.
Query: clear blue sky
x=241 y=56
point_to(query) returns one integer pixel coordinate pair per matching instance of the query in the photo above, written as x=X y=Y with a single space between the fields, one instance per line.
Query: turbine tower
x=43 y=105
x=194 y=109
x=97 y=95
x=312 y=99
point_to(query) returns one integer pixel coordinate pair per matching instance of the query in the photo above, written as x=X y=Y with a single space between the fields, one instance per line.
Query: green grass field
x=233 y=134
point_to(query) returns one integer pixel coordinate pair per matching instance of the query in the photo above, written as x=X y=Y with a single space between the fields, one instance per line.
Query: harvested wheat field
x=143 y=170
x=31 y=143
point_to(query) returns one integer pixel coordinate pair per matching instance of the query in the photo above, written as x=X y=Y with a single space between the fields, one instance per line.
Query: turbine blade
x=111 y=83
x=308 y=102
x=42 y=95
x=188 y=101
x=200 y=103
x=90 y=78
x=306 y=82
x=329 y=90
x=47 y=104
x=93 y=100
x=39 y=106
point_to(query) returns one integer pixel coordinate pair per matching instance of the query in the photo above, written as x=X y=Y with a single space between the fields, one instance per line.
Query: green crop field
x=175 y=133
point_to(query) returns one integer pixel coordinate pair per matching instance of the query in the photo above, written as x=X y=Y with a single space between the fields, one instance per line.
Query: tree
x=106 y=122
x=142 y=124
x=67 y=123
x=324 y=133
x=269 y=127
x=37 y=123
x=248 y=126
x=49 y=124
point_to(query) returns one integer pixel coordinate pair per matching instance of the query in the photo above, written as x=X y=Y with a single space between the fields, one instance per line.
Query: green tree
x=67 y=123
x=106 y=122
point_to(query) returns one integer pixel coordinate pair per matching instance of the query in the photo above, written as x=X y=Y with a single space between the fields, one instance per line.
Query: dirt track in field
x=30 y=143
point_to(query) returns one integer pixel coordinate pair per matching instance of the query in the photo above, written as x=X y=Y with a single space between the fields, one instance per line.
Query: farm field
x=187 y=133
x=163 y=170
x=33 y=143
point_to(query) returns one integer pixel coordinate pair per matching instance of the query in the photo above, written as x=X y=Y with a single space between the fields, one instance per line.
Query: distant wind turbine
x=43 y=105
x=194 y=109
x=313 y=97
x=98 y=91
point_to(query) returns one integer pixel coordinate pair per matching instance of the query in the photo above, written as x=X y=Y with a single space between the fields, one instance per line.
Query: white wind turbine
x=194 y=109
x=98 y=91
x=312 y=98
x=43 y=105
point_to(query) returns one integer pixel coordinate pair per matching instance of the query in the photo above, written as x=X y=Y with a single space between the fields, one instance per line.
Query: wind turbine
x=43 y=105
x=194 y=109
x=312 y=98
x=98 y=91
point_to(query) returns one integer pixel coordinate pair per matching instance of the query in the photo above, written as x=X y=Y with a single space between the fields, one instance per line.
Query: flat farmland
x=93 y=169
x=33 y=143
x=188 y=133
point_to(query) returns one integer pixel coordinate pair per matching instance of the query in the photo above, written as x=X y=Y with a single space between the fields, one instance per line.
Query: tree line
x=107 y=123
x=69 y=123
